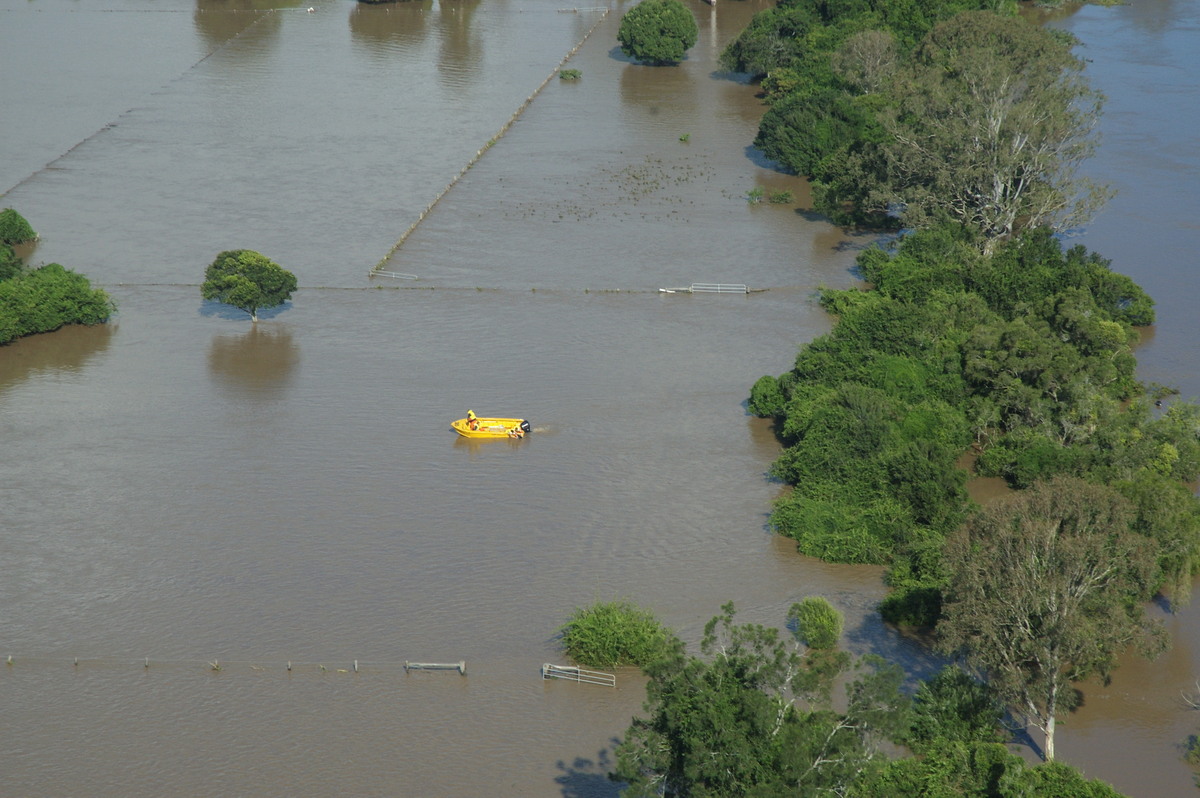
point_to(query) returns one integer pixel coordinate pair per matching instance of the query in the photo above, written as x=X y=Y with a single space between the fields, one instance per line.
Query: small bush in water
x=14 y=229
x=818 y=624
x=608 y=634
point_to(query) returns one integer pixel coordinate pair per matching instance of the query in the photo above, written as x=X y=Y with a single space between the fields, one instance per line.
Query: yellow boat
x=491 y=427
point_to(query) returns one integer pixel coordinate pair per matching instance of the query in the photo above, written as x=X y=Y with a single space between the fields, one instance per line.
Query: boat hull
x=492 y=428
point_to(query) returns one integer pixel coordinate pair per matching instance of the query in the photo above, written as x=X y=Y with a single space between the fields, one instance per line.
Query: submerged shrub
x=818 y=624
x=45 y=299
x=608 y=634
x=766 y=398
x=14 y=229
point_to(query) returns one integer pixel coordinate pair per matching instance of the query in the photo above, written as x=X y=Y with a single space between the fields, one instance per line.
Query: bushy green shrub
x=806 y=127
x=954 y=707
x=14 y=229
x=608 y=634
x=658 y=32
x=818 y=624
x=846 y=531
x=766 y=397
x=774 y=39
x=45 y=299
x=978 y=770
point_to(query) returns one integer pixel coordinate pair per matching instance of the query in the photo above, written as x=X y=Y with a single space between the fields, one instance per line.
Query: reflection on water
x=476 y=447
x=389 y=27
x=258 y=364
x=218 y=21
x=652 y=91
x=65 y=350
x=383 y=26
x=460 y=50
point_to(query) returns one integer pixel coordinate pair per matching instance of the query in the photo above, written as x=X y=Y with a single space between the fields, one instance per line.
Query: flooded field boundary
x=499 y=134
x=259 y=16
x=332 y=665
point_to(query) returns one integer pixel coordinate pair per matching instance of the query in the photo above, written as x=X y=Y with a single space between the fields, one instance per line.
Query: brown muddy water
x=182 y=488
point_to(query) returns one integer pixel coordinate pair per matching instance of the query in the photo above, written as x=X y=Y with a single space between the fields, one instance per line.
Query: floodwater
x=191 y=503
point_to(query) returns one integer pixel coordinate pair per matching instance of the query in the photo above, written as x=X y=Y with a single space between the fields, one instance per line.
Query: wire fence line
x=216 y=664
x=335 y=667
x=480 y=152
x=13 y=664
x=474 y=289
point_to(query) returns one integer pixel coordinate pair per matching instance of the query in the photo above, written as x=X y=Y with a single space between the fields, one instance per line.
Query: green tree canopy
x=729 y=724
x=658 y=32
x=1046 y=588
x=988 y=124
x=247 y=280
x=1025 y=356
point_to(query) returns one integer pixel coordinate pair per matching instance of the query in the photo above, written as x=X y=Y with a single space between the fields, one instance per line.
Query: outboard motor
x=524 y=426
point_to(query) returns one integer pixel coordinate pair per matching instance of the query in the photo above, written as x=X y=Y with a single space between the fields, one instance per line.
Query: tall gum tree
x=990 y=122
x=1046 y=588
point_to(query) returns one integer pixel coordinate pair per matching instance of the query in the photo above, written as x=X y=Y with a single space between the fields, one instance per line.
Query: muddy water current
x=190 y=503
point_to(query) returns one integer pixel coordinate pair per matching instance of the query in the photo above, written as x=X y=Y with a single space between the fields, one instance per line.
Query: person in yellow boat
x=516 y=432
x=472 y=420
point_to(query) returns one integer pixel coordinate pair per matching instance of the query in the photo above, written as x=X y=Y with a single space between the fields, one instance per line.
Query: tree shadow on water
x=585 y=778
x=219 y=310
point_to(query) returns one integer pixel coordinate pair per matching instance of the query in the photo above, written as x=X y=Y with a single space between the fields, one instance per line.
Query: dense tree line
x=981 y=342
x=1023 y=358
x=43 y=299
x=903 y=113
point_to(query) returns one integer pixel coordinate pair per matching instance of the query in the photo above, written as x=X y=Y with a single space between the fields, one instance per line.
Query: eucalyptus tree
x=731 y=724
x=988 y=125
x=1045 y=589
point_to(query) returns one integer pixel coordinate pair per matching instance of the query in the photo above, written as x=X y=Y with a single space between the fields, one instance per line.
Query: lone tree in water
x=658 y=32
x=248 y=281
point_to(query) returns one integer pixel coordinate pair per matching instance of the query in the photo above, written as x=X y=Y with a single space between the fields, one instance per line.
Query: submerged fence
x=499 y=134
x=14 y=664
x=576 y=674
x=709 y=288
